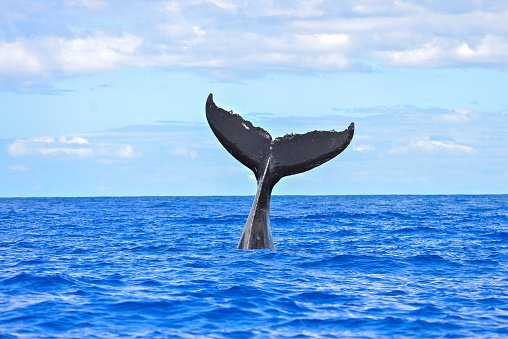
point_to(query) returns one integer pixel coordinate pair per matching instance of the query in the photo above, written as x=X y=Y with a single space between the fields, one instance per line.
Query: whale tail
x=270 y=160
x=290 y=154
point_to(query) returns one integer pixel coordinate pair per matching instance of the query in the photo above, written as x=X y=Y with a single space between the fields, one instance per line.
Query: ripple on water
x=365 y=267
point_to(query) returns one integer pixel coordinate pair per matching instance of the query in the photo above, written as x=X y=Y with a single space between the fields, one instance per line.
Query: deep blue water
x=345 y=266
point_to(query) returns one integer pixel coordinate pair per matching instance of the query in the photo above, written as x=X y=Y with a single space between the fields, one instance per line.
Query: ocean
x=344 y=266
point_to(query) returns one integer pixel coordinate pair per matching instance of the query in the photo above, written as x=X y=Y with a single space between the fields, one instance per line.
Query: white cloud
x=45 y=146
x=198 y=31
x=55 y=151
x=320 y=41
x=183 y=151
x=435 y=115
x=94 y=53
x=126 y=151
x=17 y=58
x=80 y=55
x=432 y=146
x=227 y=5
x=18 y=168
x=73 y=140
x=43 y=140
x=109 y=153
x=67 y=146
x=17 y=148
x=263 y=35
x=364 y=148
x=431 y=53
x=491 y=49
x=458 y=115
x=446 y=51
x=88 y=4
x=296 y=8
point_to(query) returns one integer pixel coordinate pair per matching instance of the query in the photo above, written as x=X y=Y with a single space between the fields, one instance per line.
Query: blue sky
x=106 y=97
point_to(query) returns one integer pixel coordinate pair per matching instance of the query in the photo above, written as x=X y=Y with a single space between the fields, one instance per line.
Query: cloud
x=58 y=55
x=458 y=115
x=491 y=49
x=227 y=5
x=16 y=58
x=183 y=151
x=73 y=140
x=447 y=117
x=45 y=146
x=291 y=9
x=125 y=151
x=67 y=146
x=442 y=52
x=221 y=35
x=56 y=151
x=364 y=148
x=88 y=4
x=18 y=168
x=432 y=146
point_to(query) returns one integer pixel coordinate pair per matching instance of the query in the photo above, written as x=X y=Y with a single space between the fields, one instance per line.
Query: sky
x=107 y=97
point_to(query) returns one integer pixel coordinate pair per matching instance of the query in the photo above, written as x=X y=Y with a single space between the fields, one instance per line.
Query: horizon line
x=251 y=195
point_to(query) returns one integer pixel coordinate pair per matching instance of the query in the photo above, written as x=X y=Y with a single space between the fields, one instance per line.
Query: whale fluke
x=270 y=160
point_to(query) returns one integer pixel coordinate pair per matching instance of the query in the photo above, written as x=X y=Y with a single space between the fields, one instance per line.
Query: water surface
x=345 y=266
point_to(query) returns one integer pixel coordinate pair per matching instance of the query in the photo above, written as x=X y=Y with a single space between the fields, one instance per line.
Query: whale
x=270 y=160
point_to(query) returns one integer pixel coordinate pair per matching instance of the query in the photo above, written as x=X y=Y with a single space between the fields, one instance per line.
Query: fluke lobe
x=270 y=160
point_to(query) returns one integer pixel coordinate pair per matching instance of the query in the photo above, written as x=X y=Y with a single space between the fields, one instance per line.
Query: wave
x=356 y=262
x=415 y=229
x=169 y=267
x=40 y=282
x=148 y=306
x=432 y=260
x=498 y=235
